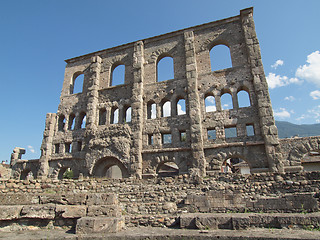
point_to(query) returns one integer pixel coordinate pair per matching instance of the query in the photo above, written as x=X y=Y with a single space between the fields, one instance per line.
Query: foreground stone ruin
x=287 y=201
x=152 y=153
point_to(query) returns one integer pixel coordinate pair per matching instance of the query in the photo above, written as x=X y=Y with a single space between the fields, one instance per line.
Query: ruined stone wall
x=144 y=202
x=85 y=136
x=295 y=149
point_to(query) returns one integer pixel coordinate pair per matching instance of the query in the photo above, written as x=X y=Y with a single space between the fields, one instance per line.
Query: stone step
x=58 y=198
x=238 y=221
x=53 y=211
x=87 y=225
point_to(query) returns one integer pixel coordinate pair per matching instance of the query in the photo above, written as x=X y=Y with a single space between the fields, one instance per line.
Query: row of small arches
x=73 y=121
x=118 y=115
x=167 y=109
x=219 y=55
x=227 y=101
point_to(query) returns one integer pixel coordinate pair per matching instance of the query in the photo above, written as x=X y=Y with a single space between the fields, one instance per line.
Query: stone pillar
x=46 y=146
x=194 y=108
x=16 y=155
x=268 y=129
x=137 y=110
x=93 y=92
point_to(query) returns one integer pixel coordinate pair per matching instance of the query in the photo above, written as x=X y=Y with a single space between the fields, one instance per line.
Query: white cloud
x=180 y=110
x=280 y=81
x=282 y=113
x=311 y=70
x=31 y=149
x=303 y=116
x=167 y=109
x=211 y=108
x=277 y=63
x=290 y=98
x=315 y=112
x=315 y=94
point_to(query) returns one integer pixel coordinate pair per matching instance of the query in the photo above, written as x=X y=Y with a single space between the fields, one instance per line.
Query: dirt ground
x=165 y=233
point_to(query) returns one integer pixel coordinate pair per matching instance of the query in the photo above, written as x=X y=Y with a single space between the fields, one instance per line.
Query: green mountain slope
x=286 y=129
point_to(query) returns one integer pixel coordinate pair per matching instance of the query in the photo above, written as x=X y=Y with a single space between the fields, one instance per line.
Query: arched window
x=181 y=107
x=114 y=117
x=243 y=99
x=117 y=75
x=220 y=57
x=166 y=109
x=226 y=101
x=77 y=83
x=210 y=104
x=82 y=120
x=61 y=122
x=151 y=110
x=102 y=116
x=71 y=121
x=127 y=117
x=165 y=69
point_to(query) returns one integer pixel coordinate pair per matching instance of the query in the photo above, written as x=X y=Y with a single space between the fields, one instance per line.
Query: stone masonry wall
x=159 y=202
x=92 y=131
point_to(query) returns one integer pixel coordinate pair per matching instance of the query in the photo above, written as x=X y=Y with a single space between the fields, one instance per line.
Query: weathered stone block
x=104 y=210
x=64 y=199
x=102 y=199
x=206 y=221
x=240 y=222
x=71 y=211
x=87 y=225
x=38 y=211
x=18 y=199
x=10 y=212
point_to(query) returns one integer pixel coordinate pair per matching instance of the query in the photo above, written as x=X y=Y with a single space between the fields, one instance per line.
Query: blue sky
x=37 y=36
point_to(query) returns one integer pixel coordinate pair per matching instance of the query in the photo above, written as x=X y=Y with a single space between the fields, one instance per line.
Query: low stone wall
x=159 y=202
x=63 y=210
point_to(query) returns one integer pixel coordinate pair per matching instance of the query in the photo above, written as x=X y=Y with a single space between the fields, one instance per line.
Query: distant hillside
x=286 y=129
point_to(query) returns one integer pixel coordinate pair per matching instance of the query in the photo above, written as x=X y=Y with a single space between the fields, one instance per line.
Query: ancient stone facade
x=127 y=125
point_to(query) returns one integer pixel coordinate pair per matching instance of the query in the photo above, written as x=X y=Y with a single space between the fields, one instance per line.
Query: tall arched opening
x=110 y=167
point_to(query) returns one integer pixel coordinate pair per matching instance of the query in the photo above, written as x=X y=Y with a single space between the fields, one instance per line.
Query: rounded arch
x=77 y=82
x=297 y=152
x=151 y=110
x=117 y=73
x=26 y=173
x=110 y=167
x=127 y=113
x=243 y=97
x=82 y=120
x=220 y=56
x=226 y=99
x=165 y=67
x=210 y=102
x=63 y=171
x=165 y=108
x=181 y=105
x=114 y=116
x=61 y=122
x=71 y=121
